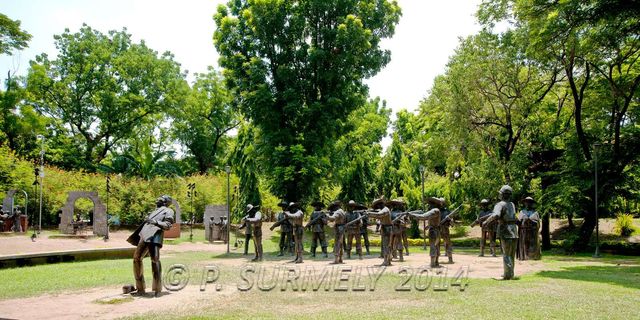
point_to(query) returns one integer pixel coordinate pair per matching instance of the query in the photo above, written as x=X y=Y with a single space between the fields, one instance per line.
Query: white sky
x=425 y=37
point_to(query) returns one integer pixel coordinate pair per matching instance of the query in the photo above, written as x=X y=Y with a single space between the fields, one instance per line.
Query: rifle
x=450 y=215
x=362 y=215
x=279 y=222
x=400 y=216
x=324 y=214
x=480 y=220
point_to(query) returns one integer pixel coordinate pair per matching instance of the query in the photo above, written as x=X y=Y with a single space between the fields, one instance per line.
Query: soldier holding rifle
x=488 y=229
x=433 y=228
x=316 y=225
x=286 y=230
x=397 y=228
x=382 y=213
x=298 y=229
x=354 y=222
x=254 y=219
x=338 y=217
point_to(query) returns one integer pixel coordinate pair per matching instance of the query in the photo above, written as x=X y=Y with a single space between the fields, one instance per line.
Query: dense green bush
x=624 y=225
x=130 y=198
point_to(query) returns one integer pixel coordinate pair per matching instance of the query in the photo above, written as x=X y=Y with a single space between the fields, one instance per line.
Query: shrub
x=624 y=225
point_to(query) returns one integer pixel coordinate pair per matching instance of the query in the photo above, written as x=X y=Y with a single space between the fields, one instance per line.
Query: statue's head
x=335 y=205
x=529 y=203
x=163 y=201
x=378 y=203
x=484 y=203
x=317 y=205
x=249 y=208
x=505 y=192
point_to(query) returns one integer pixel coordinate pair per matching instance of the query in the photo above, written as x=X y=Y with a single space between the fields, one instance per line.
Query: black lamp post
x=227 y=169
x=596 y=147
x=424 y=223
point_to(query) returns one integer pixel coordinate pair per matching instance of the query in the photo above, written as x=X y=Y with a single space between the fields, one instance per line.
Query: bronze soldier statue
x=529 y=225
x=148 y=240
x=382 y=213
x=405 y=237
x=505 y=213
x=286 y=230
x=254 y=219
x=316 y=225
x=488 y=230
x=298 y=228
x=433 y=228
x=445 y=223
x=339 y=218
x=247 y=235
x=353 y=229
x=364 y=230
x=397 y=228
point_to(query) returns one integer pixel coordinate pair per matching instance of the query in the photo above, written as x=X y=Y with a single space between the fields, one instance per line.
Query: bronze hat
x=529 y=199
x=378 y=201
x=352 y=203
x=396 y=203
x=283 y=204
x=484 y=201
x=317 y=203
x=436 y=201
x=334 y=205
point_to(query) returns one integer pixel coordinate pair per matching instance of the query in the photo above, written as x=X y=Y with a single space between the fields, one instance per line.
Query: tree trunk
x=570 y=221
x=546 y=236
x=586 y=230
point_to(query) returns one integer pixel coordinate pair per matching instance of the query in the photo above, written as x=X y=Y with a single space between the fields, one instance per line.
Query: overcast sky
x=426 y=36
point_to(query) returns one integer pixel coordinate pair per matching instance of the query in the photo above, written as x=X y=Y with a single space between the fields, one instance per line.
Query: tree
x=296 y=69
x=11 y=36
x=597 y=44
x=358 y=151
x=203 y=122
x=246 y=167
x=102 y=86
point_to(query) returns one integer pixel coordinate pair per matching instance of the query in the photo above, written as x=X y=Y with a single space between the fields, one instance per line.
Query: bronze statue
x=254 y=218
x=248 y=230
x=382 y=213
x=316 y=225
x=339 y=218
x=397 y=228
x=364 y=230
x=446 y=221
x=286 y=230
x=505 y=213
x=488 y=230
x=433 y=227
x=528 y=228
x=148 y=239
x=353 y=229
x=298 y=229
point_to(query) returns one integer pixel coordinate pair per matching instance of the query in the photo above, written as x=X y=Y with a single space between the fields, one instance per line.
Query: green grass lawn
x=573 y=287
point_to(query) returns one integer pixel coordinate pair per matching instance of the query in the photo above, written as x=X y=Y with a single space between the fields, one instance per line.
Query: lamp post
x=424 y=223
x=108 y=188
x=227 y=169
x=191 y=193
x=41 y=172
x=596 y=147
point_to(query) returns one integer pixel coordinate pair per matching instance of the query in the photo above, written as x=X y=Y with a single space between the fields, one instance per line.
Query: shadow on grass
x=623 y=276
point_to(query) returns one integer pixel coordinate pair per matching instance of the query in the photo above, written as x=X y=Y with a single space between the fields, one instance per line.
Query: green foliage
x=11 y=36
x=297 y=71
x=102 y=88
x=203 y=122
x=624 y=225
x=131 y=198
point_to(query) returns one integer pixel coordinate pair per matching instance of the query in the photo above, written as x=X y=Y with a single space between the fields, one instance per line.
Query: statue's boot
x=368 y=252
x=313 y=252
x=450 y=258
x=324 y=252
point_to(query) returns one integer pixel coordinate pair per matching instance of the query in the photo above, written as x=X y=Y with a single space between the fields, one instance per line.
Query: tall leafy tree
x=297 y=71
x=204 y=121
x=101 y=86
x=12 y=37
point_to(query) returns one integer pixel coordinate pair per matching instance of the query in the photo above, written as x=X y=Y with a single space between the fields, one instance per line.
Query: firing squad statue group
x=518 y=233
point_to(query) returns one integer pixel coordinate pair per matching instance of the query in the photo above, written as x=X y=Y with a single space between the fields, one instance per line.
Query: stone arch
x=99 y=213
